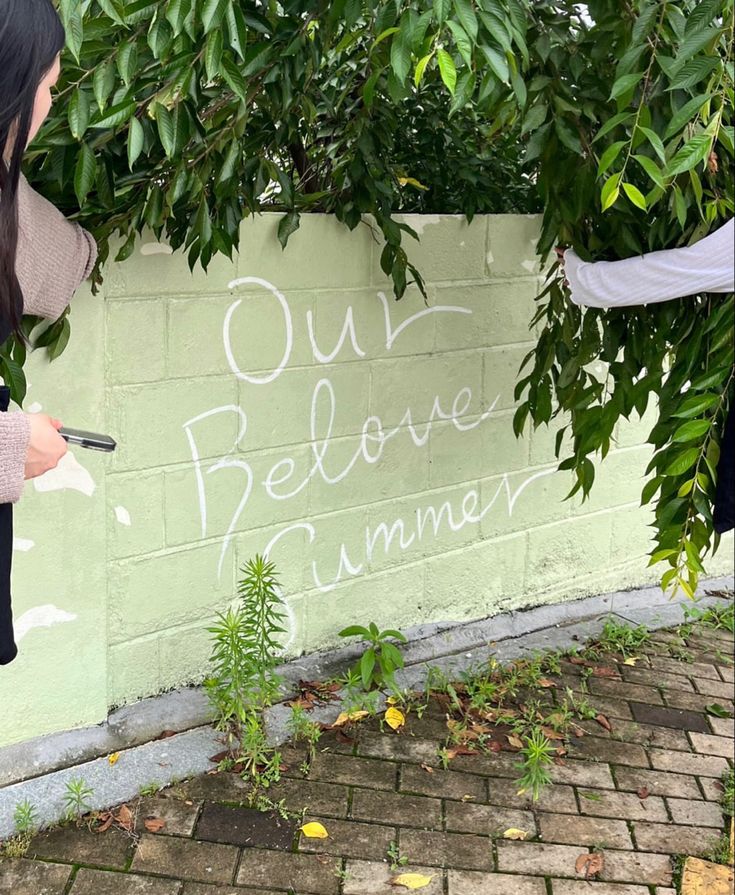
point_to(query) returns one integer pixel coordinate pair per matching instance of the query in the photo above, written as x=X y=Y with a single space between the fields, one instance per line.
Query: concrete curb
x=39 y=770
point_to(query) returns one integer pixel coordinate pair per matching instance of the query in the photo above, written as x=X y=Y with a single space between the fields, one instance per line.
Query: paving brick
x=723 y=727
x=727 y=673
x=712 y=745
x=712 y=788
x=686 y=763
x=373 y=878
x=659 y=783
x=673 y=839
x=471 y=883
x=317 y=798
x=462 y=851
x=610 y=706
x=495 y=764
x=353 y=771
x=621 y=804
x=582 y=773
x=204 y=889
x=397 y=808
x=658 y=678
x=680 y=719
x=538 y=858
x=574 y=887
x=608 y=687
x=691 y=669
x=593 y=831
x=697 y=814
x=351 y=839
x=225 y=786
x=642 y=734
x=610 y=751
x=316 y=875
x=720 y=689
x=80 y=846
x=442 y=784
x=487 y=820
x=185 y=859
x=105 y=882
x=399 y=748
x=556 y=798
x=636 y=867
x=696 y=702
x=245 y=827
x=21 y=877
x=179 y=816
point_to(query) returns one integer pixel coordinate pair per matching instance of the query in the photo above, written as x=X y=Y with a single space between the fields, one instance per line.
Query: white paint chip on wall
x=123 y=516
x=41 y=617
x=23 y=545
x=156 y=248
x=35 y=407
x=69 y=474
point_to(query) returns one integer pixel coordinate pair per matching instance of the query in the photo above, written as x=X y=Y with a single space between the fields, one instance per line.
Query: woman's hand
x=560 y=252
x=46 y=446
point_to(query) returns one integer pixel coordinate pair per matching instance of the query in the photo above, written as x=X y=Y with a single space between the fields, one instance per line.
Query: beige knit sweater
x=54 y=258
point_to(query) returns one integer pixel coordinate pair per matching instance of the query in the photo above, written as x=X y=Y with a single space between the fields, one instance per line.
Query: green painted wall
x=367 y=444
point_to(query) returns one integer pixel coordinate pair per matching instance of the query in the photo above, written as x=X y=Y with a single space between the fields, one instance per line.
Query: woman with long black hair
x=43 y=257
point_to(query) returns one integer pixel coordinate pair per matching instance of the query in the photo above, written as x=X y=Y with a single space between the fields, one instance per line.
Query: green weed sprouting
x=538 y=754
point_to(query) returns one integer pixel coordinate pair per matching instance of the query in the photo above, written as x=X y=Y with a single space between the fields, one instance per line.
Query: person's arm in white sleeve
x=707 y=266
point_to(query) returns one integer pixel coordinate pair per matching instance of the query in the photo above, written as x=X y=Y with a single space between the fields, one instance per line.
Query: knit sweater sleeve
x=707 y=266
x=55 y=256
x=15 y=434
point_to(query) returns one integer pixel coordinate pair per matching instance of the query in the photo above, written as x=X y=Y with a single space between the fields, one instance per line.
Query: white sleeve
x=707 y=266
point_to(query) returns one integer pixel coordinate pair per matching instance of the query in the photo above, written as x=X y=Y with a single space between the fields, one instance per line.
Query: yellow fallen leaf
x=411 y=880
x=514 y=833
x=113 y=758
x=344 y=717
x=406 y=181
x=314 y=830
x=392 y=700
x=395 y=718
x=631 y=660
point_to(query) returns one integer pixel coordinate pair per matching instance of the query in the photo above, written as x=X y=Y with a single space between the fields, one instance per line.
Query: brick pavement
x=639 y=795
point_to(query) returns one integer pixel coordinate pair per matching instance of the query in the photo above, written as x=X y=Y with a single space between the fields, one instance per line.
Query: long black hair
x=31 y=37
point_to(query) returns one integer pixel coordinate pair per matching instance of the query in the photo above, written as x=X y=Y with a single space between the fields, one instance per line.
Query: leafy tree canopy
x=614 y=118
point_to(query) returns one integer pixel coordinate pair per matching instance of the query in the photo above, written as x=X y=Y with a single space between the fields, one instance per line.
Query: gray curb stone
x=38 y=770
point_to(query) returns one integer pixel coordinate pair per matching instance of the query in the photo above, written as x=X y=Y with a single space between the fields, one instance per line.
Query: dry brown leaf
x=546 y=682
x=154 y=824
x=603 y=722
x=346 y=717
x=165 y=734
x=454 y=751
x=427 y=768
x=590 y=865
x=643 y=793
x=605 y=671
x=515 y=741
x=495 y=746
x=107 y=823
x=552 y=734
x=124 y=817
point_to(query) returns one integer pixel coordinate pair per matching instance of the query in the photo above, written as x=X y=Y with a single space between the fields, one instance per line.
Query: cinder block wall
x=285 y=402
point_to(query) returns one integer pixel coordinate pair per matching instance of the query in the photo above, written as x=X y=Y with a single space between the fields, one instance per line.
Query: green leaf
x=115 y=116
x=498 y=63
x=688 y=113
x=609 y=156
x=385 y=34
x=78 y=114
x=717 y=710
x=695 y=404
x=288 y=225
x=85 y=173
x=655 y=141
x=612 y=123
x=447 y=70
x=400 y=57
x=651 y=168
x=611 y=191
x=467 y=17
x=441 y=10
x=693 y=72
x=683 y=462
x=212 y=14
x=367 y=665
x=691 y=430
x=625 y=83
x=234 y=78
x=690 y=155
x=136 y=138
x=635 y=195
x=127 y=61
x=58 y=347
x=421 y=68
x=355 y=631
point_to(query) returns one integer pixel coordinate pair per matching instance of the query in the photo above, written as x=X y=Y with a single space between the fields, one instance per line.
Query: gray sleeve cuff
x=15 y=435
